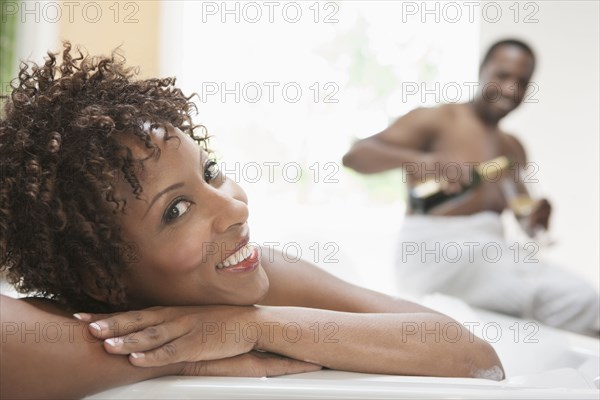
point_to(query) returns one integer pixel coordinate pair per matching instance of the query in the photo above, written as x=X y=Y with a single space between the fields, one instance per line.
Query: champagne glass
x=522 y=200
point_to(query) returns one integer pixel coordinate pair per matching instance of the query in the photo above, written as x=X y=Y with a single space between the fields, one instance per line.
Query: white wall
x=561 y=131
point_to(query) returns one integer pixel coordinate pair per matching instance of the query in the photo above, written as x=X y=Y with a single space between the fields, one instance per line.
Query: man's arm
x=46 y=353
x=515 y=150
x=402 y=143
x=540 y=217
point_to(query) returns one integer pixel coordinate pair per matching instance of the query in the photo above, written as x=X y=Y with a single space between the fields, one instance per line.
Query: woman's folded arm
x=403 y=344
x=46 y=353
x=419 y=343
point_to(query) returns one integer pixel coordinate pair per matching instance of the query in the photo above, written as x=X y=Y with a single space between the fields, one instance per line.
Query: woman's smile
x=246 y=259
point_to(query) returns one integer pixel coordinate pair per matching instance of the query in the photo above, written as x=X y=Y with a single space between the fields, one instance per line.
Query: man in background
x=458 y=247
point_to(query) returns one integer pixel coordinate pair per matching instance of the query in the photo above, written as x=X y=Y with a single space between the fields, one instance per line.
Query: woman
x=110 y=204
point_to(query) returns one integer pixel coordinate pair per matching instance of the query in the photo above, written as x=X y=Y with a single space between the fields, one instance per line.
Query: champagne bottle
x=429 y=194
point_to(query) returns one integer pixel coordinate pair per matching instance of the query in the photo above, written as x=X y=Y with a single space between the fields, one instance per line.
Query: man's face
x=504 y=79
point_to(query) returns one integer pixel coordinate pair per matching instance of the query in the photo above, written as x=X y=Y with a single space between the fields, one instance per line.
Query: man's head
x=504 y=76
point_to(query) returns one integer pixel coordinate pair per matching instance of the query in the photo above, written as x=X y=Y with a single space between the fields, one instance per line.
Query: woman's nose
x=230 y=207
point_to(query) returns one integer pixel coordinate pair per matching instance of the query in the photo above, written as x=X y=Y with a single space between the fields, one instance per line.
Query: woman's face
x=187 y=226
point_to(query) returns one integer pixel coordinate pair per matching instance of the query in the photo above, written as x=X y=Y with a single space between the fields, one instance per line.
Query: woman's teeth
x=237 y=257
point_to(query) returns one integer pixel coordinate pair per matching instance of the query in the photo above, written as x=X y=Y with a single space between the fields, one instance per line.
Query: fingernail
x=113 y=341
x=138 y=355
x=97 y=326
x=82 y=316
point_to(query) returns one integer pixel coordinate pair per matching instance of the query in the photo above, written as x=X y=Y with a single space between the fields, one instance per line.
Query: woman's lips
x=246 y=259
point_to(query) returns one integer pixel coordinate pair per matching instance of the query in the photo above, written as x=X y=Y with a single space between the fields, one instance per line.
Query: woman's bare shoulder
x=295 y=283
x=303 y=284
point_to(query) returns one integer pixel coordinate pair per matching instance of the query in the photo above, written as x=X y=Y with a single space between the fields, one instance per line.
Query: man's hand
x=453 y=175
x=539 y=217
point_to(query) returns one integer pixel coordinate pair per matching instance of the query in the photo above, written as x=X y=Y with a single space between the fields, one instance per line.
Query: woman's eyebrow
x=162 y=192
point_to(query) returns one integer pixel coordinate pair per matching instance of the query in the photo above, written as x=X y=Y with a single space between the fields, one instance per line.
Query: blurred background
x=286 y=87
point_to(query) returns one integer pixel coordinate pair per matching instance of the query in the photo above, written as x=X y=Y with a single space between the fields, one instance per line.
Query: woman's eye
x=176 y=210
x=211 y=170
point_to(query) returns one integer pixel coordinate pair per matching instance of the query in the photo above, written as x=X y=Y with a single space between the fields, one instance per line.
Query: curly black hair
x=60 y=156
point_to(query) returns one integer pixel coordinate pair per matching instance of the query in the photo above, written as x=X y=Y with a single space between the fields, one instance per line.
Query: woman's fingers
x=186 y=347
x=252 y=364
x=125 y=323
x=149 y=338
x=89 y=317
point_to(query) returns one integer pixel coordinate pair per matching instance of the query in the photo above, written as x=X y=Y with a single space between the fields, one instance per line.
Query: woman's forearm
x=404 y=344
x=47 y=354
x=412 y=343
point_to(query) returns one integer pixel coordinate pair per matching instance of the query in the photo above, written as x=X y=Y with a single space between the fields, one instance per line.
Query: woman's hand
x=166 y=335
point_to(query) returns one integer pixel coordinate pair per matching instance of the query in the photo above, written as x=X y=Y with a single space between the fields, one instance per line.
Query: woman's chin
x=243 y=293
x=254 y=291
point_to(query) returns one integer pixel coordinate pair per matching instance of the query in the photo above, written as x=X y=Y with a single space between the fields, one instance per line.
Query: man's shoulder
x=445 y=110
x=435 y=115
x=510 y=140
x=513 y=146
